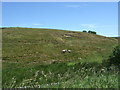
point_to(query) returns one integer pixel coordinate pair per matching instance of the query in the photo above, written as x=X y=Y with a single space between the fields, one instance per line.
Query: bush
x=84 y=31
x=114 y=59
x=92 y=32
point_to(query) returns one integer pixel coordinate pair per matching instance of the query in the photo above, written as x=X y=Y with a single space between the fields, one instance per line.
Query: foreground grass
x=60 y=75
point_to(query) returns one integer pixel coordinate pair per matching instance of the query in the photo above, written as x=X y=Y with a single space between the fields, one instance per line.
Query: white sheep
x=69 y=51
x=63 y=51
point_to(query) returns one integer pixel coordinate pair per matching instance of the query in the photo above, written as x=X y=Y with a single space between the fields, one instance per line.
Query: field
x=32 y=58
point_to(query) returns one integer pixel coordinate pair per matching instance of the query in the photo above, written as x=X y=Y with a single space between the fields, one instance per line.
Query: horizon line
x=57 y=29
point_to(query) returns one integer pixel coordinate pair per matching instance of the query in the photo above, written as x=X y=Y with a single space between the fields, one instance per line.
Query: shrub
x=114 y=59
x=84 y=31
x=92 y=32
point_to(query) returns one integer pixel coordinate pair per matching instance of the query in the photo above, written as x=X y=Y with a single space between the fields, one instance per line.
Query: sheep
x=69 y=51
x=63 y=51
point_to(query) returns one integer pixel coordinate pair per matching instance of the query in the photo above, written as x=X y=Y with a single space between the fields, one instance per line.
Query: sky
x=101 y=17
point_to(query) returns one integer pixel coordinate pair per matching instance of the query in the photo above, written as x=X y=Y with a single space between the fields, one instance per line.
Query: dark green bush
x=114 y=59
x=84 y=31
x=92 y=32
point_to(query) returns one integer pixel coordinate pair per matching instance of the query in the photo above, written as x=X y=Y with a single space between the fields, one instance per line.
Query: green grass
x=40 y=45
x=32 y=58
x=59 y=75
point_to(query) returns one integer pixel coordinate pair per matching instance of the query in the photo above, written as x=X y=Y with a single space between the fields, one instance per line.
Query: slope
x=38 y=46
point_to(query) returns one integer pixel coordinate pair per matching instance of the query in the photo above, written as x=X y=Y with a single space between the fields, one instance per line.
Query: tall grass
x=61 y=75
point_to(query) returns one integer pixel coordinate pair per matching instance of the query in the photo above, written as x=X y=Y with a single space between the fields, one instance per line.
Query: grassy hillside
x=32 y=58
x=44 y=45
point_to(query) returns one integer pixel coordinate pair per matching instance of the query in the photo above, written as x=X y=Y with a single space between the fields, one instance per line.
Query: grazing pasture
x=32 y=58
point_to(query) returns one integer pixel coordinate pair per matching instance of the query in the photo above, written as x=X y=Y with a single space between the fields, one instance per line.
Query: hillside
x=30 y=45
x=32 y=58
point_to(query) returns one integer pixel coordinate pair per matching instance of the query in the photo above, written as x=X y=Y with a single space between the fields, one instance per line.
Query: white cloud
x=88 y=25
x=107 y=26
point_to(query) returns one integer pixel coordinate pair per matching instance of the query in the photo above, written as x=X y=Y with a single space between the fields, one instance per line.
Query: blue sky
x=101 y=17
